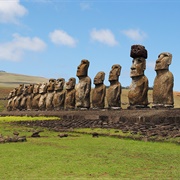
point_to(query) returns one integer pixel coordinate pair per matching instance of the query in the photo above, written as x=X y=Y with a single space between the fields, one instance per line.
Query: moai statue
x=23 y=105
x=50 y=94
x=114 y=90
x=70 y=94
x=10 y=98
x=163 y=83
x=59 y=94
x=138 y=90
x=18 y=98
x=29 y=97
x=83 y=88
x=42 y=99
x=36 y=97
x=99 y=92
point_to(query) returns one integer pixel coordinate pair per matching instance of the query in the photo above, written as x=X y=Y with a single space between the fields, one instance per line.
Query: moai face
x=25 y=90
x=115 y=72
x=71 y=83
x=20 y=89
x=82 y=69
x=30 y=88
x=138 y=67
x=36 y=88
x=51 y=84
x=99 y=78
x=59 y=85
x=163 y=61
x=43 y=88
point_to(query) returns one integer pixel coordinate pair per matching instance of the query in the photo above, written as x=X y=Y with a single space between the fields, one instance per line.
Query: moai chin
x=59 y=94
x=138 y=90
x=99 y=92
x=70 y=94
x=83 y=87
x=163 y=83
x=50 y=94
x=114 y=90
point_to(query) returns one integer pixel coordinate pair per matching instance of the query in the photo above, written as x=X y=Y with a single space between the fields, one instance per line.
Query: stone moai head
x=43 y=88
x=115 y=72
x=51 y=84
x=25 y=90
x=20 y=89
x=71 y=83
x=59 y=85
x=36 y=88
x=30 y=88
x=82 y=69
x=99 y=78
x=139 y=55
x=163 y=61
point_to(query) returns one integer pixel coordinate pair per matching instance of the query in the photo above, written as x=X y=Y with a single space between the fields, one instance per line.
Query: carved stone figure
x=23 y=105
x=50 y=94
x=10 y=98
x=36 y=97
x=29 y=97
x=17 y=99
x=114 y=90
x=83 y=87
x=164 y=82
x=99 y=92
x=42 y=99
x=59 y=94
x=138 y=90
x=70 y=94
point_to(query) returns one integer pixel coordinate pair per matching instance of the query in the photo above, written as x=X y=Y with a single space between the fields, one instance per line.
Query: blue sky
x=49 y=38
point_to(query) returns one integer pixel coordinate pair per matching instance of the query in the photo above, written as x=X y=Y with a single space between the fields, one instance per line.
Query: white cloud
x=62 y=38
x=104 y=36
x=10 y=10
x=85 y=6
x=15 y=49
x=135 y=34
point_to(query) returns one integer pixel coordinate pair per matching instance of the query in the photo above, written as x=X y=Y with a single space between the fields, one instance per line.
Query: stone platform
x=148 y=123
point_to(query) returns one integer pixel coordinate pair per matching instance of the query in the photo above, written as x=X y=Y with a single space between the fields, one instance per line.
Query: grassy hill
x=13 y=80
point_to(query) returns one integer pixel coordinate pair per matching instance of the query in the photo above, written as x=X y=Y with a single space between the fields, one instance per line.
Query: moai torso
x=99 y=92
x=59 y=94
x=138 y=90
x=164 y=82
x=83 y=88
x=50 y=94
x=70 y=94
x=114 y=90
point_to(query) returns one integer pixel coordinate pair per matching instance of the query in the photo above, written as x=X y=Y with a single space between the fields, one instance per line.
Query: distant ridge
x=13 y=80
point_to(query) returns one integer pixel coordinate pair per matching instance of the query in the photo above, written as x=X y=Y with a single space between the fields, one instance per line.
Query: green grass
x=81 y=156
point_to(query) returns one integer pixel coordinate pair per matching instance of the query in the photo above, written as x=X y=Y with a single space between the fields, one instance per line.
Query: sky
x=49 y=38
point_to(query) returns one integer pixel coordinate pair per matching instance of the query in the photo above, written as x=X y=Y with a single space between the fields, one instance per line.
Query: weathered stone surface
x=50 y=94
x=99 y=92
x=164 y=82
x=29 y=97
x=138 y=51
x=59 y=94
x=138 y=90
x=83 y=87
x=114 y=90
x=43 y=95
x=36 y=97
x=70 y=96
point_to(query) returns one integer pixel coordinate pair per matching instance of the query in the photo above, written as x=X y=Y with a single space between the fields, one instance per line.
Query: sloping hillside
x=13 y=80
